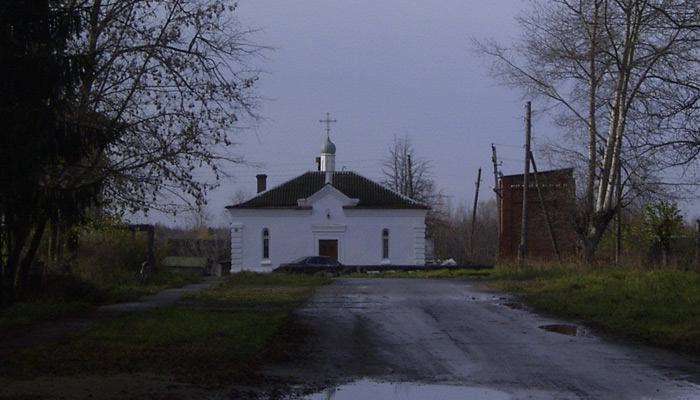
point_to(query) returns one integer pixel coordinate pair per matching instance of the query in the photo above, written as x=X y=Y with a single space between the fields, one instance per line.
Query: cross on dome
x=328 y=147
x=328 y=121
x=327 y=159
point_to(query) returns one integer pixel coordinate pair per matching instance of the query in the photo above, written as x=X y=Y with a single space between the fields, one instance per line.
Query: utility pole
x=410 y=177
x=495 y=170
x=497 y=190
x=552 y=235
x=526 y=182
x=476 y=202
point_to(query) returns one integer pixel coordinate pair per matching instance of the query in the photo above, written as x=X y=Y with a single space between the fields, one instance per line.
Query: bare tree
x=112 y=103
x=622 y=75
x=408 y=174
x=452 y=234
x=170 y=79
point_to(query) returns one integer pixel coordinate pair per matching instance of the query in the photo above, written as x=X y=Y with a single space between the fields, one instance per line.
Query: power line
x=520 y=146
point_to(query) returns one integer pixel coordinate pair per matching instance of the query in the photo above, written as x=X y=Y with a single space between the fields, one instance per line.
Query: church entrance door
x=328 y=248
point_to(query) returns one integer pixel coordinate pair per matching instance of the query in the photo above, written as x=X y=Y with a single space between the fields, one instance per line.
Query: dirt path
x=56 y=330
x=447 y=332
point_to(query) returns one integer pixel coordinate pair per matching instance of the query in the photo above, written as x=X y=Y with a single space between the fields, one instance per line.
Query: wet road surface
x=369 y=338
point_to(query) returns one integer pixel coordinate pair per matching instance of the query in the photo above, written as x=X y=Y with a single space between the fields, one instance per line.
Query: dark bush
x=67 y=288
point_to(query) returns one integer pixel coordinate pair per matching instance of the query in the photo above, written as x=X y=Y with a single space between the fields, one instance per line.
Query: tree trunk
x=605 y=204
x=25 y=264
x=665 y=252
x=15 y=237
x=593 y=83
x=22 y=245
x=596 y=227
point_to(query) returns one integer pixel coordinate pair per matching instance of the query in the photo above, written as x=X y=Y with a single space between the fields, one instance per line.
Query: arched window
x=385 y=244
x=266 y=243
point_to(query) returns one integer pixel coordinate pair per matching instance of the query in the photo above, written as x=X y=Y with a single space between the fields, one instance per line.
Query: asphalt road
x=450 y=333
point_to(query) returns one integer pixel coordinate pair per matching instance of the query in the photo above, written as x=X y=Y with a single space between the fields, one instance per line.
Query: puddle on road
x=370 y=390
x=564 y=329
x=515 y=306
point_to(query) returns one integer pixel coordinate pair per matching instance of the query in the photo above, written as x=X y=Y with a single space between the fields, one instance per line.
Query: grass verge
x=129 y=287
x=14 y=320
x=252 y=290
x=659 y=306
x=191 y=345
x=67 y=296
x=218 y=341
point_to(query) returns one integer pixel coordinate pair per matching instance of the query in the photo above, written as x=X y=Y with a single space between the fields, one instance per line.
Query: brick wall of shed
x=558 y=192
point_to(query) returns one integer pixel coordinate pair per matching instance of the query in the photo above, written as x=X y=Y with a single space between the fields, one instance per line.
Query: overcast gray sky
x=380 y=68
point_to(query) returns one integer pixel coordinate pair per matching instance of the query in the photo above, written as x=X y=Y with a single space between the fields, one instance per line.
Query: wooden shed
x=195 y=265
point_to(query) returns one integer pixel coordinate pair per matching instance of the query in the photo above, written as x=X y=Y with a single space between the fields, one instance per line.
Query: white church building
x=333 y=213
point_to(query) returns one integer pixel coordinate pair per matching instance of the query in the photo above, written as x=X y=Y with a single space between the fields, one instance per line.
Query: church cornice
x=328 y=228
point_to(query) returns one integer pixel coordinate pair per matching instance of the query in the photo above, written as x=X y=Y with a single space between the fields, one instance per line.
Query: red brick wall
x=558 y=192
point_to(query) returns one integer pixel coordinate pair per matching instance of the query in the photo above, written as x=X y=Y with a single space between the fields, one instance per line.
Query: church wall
x=295 y=233
x=366 y=227
x=287 y=236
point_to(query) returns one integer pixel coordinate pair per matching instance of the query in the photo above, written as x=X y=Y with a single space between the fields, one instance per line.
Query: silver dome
x=328 y=147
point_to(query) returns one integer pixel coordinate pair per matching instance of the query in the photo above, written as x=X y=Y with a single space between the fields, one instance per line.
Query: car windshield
x=315 y=260
x=328 y=261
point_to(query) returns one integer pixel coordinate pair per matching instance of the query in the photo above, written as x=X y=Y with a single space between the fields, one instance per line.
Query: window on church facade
x=385 y=244
x=266 y=243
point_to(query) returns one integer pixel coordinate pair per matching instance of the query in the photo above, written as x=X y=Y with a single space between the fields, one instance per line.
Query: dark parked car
x=313 y=261
x=311 y=265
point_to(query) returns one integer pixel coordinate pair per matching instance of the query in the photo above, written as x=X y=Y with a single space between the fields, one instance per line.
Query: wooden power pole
x=550 y=228
x=410 y=177
x=476 y=202
x=494 y=158
x=526 y=182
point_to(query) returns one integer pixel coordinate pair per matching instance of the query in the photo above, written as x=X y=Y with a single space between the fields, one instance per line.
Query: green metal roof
x=185 y=262
x=370 y=194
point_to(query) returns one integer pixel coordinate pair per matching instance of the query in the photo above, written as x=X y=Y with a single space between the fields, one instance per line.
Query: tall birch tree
x=622 y=76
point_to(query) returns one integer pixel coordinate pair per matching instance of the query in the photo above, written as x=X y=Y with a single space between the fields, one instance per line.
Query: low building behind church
x=557 y=196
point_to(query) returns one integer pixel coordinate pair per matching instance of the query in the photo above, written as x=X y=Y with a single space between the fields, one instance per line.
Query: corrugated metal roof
x=185 y=262
x=370 y=194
